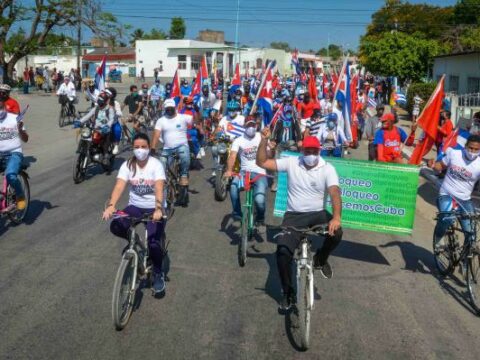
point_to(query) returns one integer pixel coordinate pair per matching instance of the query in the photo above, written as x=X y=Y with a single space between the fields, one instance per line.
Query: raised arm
x=262 y=153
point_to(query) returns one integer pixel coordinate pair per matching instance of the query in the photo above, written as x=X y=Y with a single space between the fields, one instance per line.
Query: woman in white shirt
x=145 y=176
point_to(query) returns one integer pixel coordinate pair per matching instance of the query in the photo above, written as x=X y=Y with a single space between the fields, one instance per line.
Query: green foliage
x=139 y=34
x=282 y=45
x=334 y=51
x=470 y=39
x=467 y=12
x=399 y=54
x=177 y=28
x=424 y=90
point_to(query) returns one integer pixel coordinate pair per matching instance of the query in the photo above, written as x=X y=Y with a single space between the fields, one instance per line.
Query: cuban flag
x=295 y=62
x=342 y=94
x=400 y=99
x=175 y=93
x=197 y=89
x=236 y=82
x=276 y=117
x=265 y=101
x=100 y=75
x=234 y=129
x=372 y=103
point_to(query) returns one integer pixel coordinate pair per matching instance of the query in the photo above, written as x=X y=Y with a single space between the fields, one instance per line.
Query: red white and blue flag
x=235 y=129
x=265 y=101
x=236 y=81
x=197 y=88
x=295 y=62
x=100 y=75
x=342 y=94
x=175 y=93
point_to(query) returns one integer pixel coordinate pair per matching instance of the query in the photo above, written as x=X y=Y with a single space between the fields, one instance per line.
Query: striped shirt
x=313 y=126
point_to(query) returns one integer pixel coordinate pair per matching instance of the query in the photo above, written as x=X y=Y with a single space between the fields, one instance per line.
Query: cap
x=250 y=120
x=311 y=142
x=387 y=117
x=169 y=103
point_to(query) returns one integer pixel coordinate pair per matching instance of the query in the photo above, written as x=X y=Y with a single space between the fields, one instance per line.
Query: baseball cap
x=387 y=117
x=250 y=121
x=311 y=142
x=169 y=103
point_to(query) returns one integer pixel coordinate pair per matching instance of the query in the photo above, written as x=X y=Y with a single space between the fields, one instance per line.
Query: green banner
x=376 y=196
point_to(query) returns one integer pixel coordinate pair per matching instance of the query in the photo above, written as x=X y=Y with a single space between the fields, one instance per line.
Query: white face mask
x=471 y=155
x=141 y=154
x=310 y=160
x=250 y=132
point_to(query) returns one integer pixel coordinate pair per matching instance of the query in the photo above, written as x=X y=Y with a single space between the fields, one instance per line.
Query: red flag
x=353 y=107
x=204 y=69
x=428 y=122
x=312 y=87
x=197 y=86
x=175 y=86
x=236 y=77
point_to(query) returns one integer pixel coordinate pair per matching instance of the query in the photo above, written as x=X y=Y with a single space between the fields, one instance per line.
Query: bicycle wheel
x=242 y=244
x=303 y=309
x=123 y=292
x=170 y=200
x=443 y=254
x=61 y=117
x=220 y=186
x=473 y=281
x=78 y=169
x=17 y=216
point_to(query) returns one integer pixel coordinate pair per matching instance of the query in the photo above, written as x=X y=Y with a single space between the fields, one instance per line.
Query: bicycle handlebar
x=321 y=229
x=459 y=215
x=135 y=220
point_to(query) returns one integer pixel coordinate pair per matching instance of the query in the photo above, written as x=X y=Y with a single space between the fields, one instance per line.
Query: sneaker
x=21 y=203
x=274 y=188
x=158 y=283
x=326 y=270
x=287 y=301
x=115 y=149
x=214 y=173
x=199 y=156
x=202 y=152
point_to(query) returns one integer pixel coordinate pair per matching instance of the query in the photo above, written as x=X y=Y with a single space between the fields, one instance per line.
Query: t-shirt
x=132 y=102
x=247 y=149
x=306 y=109
x=12 y=106
x=9 y=137
x=174 y=130
x=461 y=175
x=313 y=126
x=371 y=126
x=142 y=184
x=326 y=106
x=306 y=188
x=391 y=141
x=227 y=127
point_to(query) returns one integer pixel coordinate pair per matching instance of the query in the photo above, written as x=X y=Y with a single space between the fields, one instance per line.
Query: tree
x=399 y=54
x=467 y=12
x=137 y=34
x=334 y=51
x=43 y=17
x=281 y=45
x=177 y=28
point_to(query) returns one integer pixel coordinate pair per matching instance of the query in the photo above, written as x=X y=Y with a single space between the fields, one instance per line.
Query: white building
x=462 y=72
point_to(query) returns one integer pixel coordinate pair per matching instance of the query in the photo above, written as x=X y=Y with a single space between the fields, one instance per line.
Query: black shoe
x=261 y=227
x=326 y=270
x=288 y=300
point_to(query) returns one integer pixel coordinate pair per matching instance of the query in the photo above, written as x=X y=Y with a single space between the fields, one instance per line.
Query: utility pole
x=79 y=34
x=237 y=51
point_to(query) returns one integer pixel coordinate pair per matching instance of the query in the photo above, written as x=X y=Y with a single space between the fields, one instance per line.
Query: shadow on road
x=36 y=208
x=428 y=192
x=231 y=228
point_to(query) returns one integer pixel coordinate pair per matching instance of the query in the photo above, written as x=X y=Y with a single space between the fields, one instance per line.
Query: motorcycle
x=90 y=150
x=221 y=148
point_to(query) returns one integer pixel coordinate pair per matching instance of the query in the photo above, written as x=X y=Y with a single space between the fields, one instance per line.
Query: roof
x=458 y=54
x=187 y=44
x=120 y=53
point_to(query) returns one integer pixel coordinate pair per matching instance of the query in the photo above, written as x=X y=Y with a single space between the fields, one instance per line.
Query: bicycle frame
x=248 y=210
x=132 y=252
x=304 y=262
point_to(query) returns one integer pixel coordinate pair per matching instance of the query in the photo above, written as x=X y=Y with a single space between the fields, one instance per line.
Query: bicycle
x=248 y=216
x=134 y=266
x=67 y=111
x=8 y=199
x=452 y=254
x=305 y=297
x=172 y=185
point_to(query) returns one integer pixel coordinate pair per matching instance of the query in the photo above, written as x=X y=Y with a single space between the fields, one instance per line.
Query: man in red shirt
x=445 y=128
x=11 y=105
x=305 y=110
x=389 y=140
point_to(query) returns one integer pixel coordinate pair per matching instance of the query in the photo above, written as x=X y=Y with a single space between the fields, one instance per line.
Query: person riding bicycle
x=246 y=148
x=67 y=90
x=92 y=93
x=172 y=129
x=144 y=94
x=389 y=140
x=11 y=105
x=331 y=137
x=12 y=134
x=117 y=126
x=309 y=179
x=463 y=171
x=156 y=94
x=103 y=116
x=207 y=101
x=135 y=105
x=145 y=176
x=195 y=131
x=185 y=88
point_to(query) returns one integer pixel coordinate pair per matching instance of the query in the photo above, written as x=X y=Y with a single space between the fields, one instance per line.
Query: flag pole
x=260 y=88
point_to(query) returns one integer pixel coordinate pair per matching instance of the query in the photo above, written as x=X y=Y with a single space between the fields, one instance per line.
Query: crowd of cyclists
x=159 y=127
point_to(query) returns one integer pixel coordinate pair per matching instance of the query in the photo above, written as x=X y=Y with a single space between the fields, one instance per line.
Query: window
x=182 y=62
x=196 y=61
x=453 y=80
x=473 y=85
x=246 y=65
x=259 y=63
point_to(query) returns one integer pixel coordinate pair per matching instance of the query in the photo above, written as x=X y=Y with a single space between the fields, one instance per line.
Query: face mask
x=170 y=112
x=475 y=129
x=250 y=132
x=134 y=93
x=232 y=114
x=3 y=114
x=331 y=125
x=141 y=154
x=471 y=155
x=288 y=116
x=300 y=97
x=287 y=123
x=310 y=160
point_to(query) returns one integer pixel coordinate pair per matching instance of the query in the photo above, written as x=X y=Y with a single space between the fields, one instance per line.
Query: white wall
x=463 y=66
x=61 y=62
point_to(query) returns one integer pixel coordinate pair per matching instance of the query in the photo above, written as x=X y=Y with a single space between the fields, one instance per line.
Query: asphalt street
x=385 y=301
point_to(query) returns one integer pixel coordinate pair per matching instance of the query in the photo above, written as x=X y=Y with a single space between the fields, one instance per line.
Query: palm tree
x=137 y=34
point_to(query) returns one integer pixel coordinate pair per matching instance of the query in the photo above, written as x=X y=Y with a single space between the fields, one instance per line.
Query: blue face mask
x=287 y=123
x=289 y=116
x=331 y=125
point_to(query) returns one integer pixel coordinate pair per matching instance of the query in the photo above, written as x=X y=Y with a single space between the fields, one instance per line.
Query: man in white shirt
x=12 y=134
x=67 y=89
x=309 y=179
x=246 y=147
x=172 y=129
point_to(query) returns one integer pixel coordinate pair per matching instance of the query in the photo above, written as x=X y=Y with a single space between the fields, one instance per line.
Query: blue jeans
x=336 y=152
x=445 y=203
x=259 y=190
x=12 y=163
x=183 y=152
x=194 y=138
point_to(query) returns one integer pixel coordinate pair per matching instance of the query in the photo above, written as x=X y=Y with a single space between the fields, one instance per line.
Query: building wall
x=212 y=36
x=458 y=69
x=61 y=62
x=258 y=57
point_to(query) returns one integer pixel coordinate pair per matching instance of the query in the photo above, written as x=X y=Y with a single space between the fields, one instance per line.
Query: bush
x=424 y=90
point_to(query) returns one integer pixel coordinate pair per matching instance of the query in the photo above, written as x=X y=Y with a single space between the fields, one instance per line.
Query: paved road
x=57 y=272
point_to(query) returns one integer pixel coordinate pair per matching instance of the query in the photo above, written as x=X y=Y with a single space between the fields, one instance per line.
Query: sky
x=304 y=24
